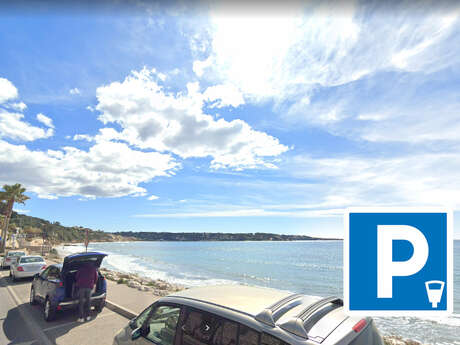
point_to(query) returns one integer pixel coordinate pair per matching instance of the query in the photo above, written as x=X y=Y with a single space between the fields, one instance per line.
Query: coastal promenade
x=23 y=324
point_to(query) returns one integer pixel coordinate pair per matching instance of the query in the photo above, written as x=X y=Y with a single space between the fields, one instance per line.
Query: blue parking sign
x=398 y=261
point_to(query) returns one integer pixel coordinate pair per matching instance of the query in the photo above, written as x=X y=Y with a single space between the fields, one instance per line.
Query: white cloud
x=223 y=96
x=45 y=120
x=12 y=124
x=7 y=90
x=108 y=169
x=74 y=91
x=152 y=118
x=286 y=56
x=85 y=137
x=13 y=127
x=20 y=210
x=413 y=180
x=21 y=106
x=153 y=197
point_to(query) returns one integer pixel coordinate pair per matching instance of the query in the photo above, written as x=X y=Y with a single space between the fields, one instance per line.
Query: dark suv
x=55 y=286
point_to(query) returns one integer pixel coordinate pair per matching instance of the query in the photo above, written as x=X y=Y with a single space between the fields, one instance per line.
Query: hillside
x=213 y=236
x=55 y=232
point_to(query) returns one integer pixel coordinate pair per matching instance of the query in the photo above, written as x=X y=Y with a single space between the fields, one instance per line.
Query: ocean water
x=310 y=267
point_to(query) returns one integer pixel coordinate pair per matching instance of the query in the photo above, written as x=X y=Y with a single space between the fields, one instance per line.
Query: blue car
x=55 y=286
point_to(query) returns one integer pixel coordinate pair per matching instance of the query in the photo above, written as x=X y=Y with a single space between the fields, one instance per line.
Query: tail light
x=20 y=269
x=360 y=325
x=61 y=284
x=43 y=267
x=8 y=259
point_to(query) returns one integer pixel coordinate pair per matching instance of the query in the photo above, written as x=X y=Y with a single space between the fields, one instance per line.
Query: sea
x=309 y=267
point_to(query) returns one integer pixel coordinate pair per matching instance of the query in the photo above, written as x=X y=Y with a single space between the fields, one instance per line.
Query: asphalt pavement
x=23 y=324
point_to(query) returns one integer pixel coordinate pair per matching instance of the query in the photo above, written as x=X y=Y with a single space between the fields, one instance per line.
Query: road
x=23 y=324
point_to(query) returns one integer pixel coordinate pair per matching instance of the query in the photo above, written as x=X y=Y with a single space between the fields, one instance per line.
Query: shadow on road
x=15 y=331
x=15 y=328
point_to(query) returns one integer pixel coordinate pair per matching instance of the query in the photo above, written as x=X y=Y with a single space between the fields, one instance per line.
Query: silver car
x=242 y=315
x=11 y=257
x=27 y=266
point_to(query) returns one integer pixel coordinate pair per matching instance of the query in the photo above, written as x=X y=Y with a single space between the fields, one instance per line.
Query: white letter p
x=386 y=267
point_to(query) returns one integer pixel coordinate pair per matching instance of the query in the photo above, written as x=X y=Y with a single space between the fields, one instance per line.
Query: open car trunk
x=70 y=267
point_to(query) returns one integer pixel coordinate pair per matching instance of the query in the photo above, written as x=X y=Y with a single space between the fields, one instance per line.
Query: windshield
x=32 y=259
x=16 y=254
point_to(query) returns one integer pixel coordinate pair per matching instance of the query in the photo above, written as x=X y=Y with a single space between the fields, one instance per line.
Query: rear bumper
x=25 y=274
x=94 y=300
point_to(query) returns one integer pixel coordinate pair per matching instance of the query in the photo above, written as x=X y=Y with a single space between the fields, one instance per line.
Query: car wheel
x=49 y=312
x=32 y=301
x=99 y=306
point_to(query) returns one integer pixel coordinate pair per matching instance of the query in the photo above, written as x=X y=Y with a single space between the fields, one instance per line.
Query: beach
x=291 y=266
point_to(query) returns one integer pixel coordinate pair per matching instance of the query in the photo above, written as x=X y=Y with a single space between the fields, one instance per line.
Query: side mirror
x=138 y=332
x=132 y=324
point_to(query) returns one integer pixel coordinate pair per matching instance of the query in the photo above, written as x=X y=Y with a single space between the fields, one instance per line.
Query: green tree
x=10 y=194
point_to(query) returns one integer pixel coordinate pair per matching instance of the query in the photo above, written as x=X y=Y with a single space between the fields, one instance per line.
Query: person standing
x=86 y=278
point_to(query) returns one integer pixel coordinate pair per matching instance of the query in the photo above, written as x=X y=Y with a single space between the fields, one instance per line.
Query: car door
x=40 y=283
x=159 y=326
x=51 y=282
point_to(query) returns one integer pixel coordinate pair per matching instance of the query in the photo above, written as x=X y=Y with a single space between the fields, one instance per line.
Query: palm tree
x=10 y=194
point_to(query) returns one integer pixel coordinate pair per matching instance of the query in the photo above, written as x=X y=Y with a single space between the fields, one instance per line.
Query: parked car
x=27 y=266
x=11 y=257
x=55 y=287
x=242 y=315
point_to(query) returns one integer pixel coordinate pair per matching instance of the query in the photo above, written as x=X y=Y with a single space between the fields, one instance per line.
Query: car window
x=248 y=336
x=139 y=320
x=53 y=274
x=267 y=339
x=162 y=324
x=226 y=334
x=16 y=254
x=204 y=328
x=45 y=273
x=24 y=260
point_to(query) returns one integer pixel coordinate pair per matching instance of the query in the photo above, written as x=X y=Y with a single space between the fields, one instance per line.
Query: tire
x=99 y=306
x=32 y=299
x=49 y=311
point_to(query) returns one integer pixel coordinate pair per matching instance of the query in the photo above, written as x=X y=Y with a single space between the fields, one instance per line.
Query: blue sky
x=229 y=119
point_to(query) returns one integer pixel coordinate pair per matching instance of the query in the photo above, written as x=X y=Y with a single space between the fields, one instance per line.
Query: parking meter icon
x=434 y=289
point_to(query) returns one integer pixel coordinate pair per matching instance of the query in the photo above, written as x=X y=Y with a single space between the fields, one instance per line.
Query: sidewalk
x=129 y=298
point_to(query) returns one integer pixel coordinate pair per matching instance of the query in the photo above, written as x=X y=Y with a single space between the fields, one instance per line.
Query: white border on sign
x=450 y=258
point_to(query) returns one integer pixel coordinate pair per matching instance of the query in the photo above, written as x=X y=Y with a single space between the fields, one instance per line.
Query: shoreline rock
x=158 y=287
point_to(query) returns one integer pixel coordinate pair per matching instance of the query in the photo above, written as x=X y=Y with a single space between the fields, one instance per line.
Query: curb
x=120 y=310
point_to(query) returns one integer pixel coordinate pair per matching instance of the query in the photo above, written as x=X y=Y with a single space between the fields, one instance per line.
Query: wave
x=140 y=265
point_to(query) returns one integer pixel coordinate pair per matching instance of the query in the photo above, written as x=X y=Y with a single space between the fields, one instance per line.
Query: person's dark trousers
x=84 y=302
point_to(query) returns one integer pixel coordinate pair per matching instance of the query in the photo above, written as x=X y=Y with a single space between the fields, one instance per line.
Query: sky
x=215 y=117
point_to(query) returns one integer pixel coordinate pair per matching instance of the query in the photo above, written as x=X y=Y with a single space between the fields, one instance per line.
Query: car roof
x=32 y=256
x=246 y=299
